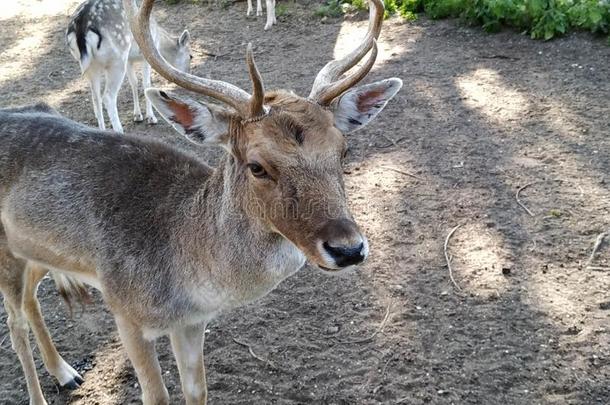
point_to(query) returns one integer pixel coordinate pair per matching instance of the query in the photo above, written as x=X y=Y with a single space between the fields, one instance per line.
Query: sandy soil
x=480 y=116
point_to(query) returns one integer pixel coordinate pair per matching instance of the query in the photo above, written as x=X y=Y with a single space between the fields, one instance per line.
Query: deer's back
x=98 y=15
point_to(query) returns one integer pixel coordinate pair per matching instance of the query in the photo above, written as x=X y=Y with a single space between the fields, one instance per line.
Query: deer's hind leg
x=133 y=82
x=54 y=363
x=95 y=82
x=115 y=74
x=12 y=286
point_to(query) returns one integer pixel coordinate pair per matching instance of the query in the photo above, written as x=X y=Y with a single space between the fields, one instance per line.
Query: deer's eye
x=257 y=170
x=191 y=57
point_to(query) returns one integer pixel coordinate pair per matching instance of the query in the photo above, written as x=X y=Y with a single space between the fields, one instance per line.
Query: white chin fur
x=337 y=272
x=365 y=251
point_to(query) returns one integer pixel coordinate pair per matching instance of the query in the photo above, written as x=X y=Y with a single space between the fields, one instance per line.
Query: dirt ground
x=480 y=116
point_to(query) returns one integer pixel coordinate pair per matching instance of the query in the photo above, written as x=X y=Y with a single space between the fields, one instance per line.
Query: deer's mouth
x=336 y=271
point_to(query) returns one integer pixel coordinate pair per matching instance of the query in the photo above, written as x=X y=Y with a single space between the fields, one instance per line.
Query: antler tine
x=258 y=89
x=221 y=91
x=335 y=89
x=324 y=89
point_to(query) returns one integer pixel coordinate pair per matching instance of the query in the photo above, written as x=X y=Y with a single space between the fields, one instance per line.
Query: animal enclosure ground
x=480 y=116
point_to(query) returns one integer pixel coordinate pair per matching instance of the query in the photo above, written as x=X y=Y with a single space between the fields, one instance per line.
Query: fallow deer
x=99 y=38
x=170 y=242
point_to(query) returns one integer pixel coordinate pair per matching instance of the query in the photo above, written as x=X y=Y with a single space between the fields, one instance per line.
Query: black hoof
x=79 y=380
x=74 y=383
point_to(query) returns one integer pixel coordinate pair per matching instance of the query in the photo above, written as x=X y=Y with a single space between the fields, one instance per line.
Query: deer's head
x=287 y=148
x=177 y=50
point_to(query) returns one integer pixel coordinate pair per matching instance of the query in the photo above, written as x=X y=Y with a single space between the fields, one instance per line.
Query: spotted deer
x=99 y=38
x=169 y=241
x=270 y=4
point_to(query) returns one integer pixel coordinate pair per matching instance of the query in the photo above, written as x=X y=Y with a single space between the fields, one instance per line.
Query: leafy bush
x=332 y=8
x=542 y=19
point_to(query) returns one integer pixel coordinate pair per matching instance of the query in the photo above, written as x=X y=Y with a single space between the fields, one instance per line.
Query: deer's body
x=100 y=39
x=152 y=227
x=169 y=241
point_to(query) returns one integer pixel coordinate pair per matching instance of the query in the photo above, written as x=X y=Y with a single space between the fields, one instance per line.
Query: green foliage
x=390 y=7
x=360 y=4
x=332 y=8
x=281 y=10
x=541 y=19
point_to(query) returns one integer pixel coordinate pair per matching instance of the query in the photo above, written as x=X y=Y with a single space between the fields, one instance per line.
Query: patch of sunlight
x=36 y=9
x=103 y=383
x=563 y=130
x=67 y=93
x=25 y=54
x=382 y=179
x=352 y=33
x=484 y=91
x=377 y=191
x=555 y=298
x=479 y=255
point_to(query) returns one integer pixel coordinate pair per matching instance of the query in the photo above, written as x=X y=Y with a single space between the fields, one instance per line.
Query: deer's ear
x=200 y=124
x=360 y=105
x=184 y=39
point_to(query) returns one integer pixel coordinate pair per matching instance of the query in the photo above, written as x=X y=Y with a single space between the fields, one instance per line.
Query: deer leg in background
x=95 y=82
x=133 y=82
x=270 y=14
x=146 y=72
x=187 y=344
x=114 y=79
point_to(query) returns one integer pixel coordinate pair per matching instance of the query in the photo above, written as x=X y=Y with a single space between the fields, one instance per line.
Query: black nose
x=346 y=255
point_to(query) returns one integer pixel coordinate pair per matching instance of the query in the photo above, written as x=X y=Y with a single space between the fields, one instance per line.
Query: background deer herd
x=388 y=332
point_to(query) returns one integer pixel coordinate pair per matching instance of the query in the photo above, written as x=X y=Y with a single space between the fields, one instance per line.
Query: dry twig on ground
x=257 y=357
x=401 y=172
x=598 y=242
x=215 y=55
x=377 y=331
x=2 y=341
x=448 y=259
x=519 y=201
x=387 y=138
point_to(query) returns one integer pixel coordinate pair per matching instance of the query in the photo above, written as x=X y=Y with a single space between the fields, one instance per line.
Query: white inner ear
x=184 y=39
x=359 y=106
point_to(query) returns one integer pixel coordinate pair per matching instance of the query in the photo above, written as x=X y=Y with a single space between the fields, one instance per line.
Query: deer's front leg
x=143 y=356
x=133 y=82
x=187 y=343
x=150 y=114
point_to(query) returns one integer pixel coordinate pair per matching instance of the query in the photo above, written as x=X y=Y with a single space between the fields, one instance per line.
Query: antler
x=246 y=106
x=327 y=85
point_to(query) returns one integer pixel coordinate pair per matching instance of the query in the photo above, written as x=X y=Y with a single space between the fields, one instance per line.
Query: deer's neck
x=229 y=249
